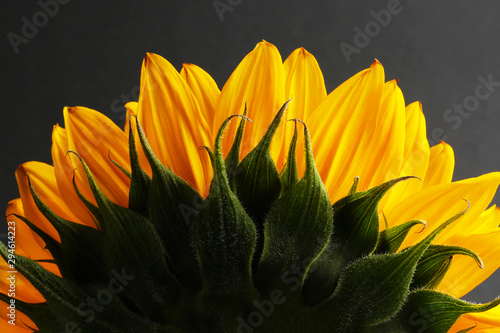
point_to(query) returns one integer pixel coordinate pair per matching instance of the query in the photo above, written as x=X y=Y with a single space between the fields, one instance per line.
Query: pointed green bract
x=289 y=175
x=297 y=228
x=373 y=288
x=434 y=264
x=140 y=182
x=429 y=311
x=264 y=252
x=77 y=306
x=257 y=180
x=390 y=239
x=129 y=237
x=172 y=208
x=233 y=157
x=355 y=235
x=224 y=235
x=80 y=247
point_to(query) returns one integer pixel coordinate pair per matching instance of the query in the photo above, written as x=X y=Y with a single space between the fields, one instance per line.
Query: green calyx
x=265 y=251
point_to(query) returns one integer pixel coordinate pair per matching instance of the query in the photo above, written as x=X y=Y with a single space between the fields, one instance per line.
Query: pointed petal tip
x=445 y=147
x=302 y=52
x=265 y=44
x=151 y=58
x=22 y=169
x=393 y=83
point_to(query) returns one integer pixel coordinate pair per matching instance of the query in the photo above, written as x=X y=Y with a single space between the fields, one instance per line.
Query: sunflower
x=269 y=206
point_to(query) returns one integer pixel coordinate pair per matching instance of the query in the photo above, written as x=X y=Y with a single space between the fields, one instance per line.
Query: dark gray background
x=90 y=54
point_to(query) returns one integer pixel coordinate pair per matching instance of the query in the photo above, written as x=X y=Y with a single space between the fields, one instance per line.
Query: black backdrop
x=89 y=53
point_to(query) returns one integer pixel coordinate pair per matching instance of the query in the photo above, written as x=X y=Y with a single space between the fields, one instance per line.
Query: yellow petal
x=487 y=321
x=384 y=155
x=204 y=89
x=131 y=108
x=258 y=80
x=28 y=243
x=23 y=323
x=489 y=220
x=463 y=274
x=43 y=180
x=174 y=123
x=438 y=203
x=350 y=110
x=64 y=170
x=441 y=165
x=96 y=139
x=24 y=289
x=305 y=85
x=415 y=160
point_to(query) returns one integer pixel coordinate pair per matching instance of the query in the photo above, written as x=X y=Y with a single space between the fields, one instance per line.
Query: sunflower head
x=209 y=214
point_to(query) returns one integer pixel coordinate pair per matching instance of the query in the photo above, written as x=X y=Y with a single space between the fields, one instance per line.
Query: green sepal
x=297 y=229
x=434 y=264
x=224 y=235
x=69 y=303
x=372 y=289
x=354 y=187
x=257 y=180
x=94 y=210
x=172 y=208
x=233 y=157
x=52 y=245
x=429 y=311
x=140 y=182
x=289 y=175
x=79 y=255
x=131 y=243
x=390 y=239
x=355 y=235
x=122 y=169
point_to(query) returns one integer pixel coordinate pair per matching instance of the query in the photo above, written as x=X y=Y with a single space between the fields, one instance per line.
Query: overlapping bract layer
x=361 y=129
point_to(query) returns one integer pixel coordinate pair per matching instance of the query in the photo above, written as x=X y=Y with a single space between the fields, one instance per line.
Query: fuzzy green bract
x=266 y=251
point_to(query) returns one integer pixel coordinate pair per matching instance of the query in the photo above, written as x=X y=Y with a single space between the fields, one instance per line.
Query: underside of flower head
x=240 y=211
